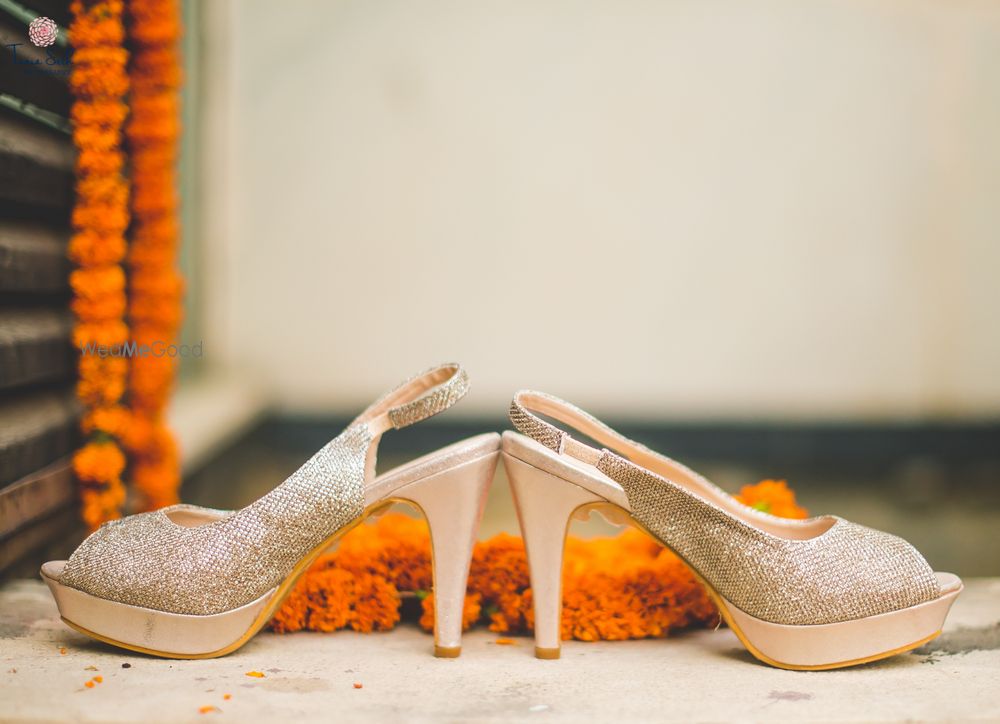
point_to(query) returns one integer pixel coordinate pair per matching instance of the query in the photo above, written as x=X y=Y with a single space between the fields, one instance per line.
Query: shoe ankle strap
x=420 y=397
x=558 y=440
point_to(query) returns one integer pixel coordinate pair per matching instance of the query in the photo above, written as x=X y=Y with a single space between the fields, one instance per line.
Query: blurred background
x=762 y=237
x=679 y=210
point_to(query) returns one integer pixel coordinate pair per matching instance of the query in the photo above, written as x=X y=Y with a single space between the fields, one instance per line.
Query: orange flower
x=97 y=461
x=89 y=248
x=95 y=282
x=96 y=80
x=96 y=23
x=107 y=187
x=396 y=547
x=623 y=587
x=376 y=604
x=99 y=218
x=155 y=287
x=113 y=420
x=107 y=333
x=99 y=112
x=105 y=307
x=104 y=57
x=772 y=496
x=107 y=217
x=90 y=161
x=97 y=138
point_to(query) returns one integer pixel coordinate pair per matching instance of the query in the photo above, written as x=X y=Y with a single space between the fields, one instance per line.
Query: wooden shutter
x=38 y=410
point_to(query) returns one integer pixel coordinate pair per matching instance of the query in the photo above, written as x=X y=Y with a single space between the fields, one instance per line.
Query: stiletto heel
x=191 y=583
x=820 y=593
x=452 y=501
x=545 y=504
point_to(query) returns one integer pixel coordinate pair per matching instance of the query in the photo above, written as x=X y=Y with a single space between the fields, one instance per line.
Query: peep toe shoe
x=189 y=582
x=820 y=593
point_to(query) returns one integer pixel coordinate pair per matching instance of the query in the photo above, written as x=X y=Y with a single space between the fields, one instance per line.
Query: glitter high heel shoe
x=820 y=593
x=189 y=582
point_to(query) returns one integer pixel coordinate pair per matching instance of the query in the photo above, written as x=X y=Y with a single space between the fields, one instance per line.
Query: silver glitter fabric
x=149 y=560
x=548 y=435
x=437 y=400
x=551 y=436
x=845 y=573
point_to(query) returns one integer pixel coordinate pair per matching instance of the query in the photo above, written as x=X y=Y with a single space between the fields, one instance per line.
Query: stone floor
x=702 y=676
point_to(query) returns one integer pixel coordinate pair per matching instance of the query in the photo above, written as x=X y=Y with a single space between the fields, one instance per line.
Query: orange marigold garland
x=155 y=285
x=624 y=587
x=772 y=496
x=99 y=83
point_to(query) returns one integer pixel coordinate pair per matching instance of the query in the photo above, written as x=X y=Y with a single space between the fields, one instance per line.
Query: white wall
x=676 y=209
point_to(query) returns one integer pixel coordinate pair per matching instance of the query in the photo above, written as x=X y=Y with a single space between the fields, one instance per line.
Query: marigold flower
x=102 y=333
x=107 y=307
x=772 y=496
x=158 y=480
x=99 y=112
x=90 y=161
x=96 y=138
x=107 y=217
x=113 y=420
x=99 y=461
x=89 y=248
x=96 y=23
x=626 y=586
x=98 y=281
x=155 y=287
x=100 y=216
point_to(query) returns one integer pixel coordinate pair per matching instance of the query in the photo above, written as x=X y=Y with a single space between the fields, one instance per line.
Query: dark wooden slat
x=36 y=170
x=37 y=496
x=58 y=10
x=33 y=259
x=35 y=346
x=35 y=430
x=60 y=530
x=29 y=73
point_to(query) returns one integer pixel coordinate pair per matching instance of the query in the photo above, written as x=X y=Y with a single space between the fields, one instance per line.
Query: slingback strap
x=848 y=572
x=420 y=397
x=439 y=389
x=557 y=440
x=620 y=459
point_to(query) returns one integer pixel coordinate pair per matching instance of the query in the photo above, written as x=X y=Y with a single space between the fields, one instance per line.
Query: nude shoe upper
x=816 y=571
x=181 y=560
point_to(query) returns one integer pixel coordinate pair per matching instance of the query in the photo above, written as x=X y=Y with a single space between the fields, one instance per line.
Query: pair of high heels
x=192 y=582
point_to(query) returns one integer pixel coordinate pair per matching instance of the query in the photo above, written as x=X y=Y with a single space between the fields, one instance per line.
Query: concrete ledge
x=698 y=676
x=211 y=410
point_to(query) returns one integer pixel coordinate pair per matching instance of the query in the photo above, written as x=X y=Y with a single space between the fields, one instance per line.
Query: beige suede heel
x=822 y=593
x=190 y=582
